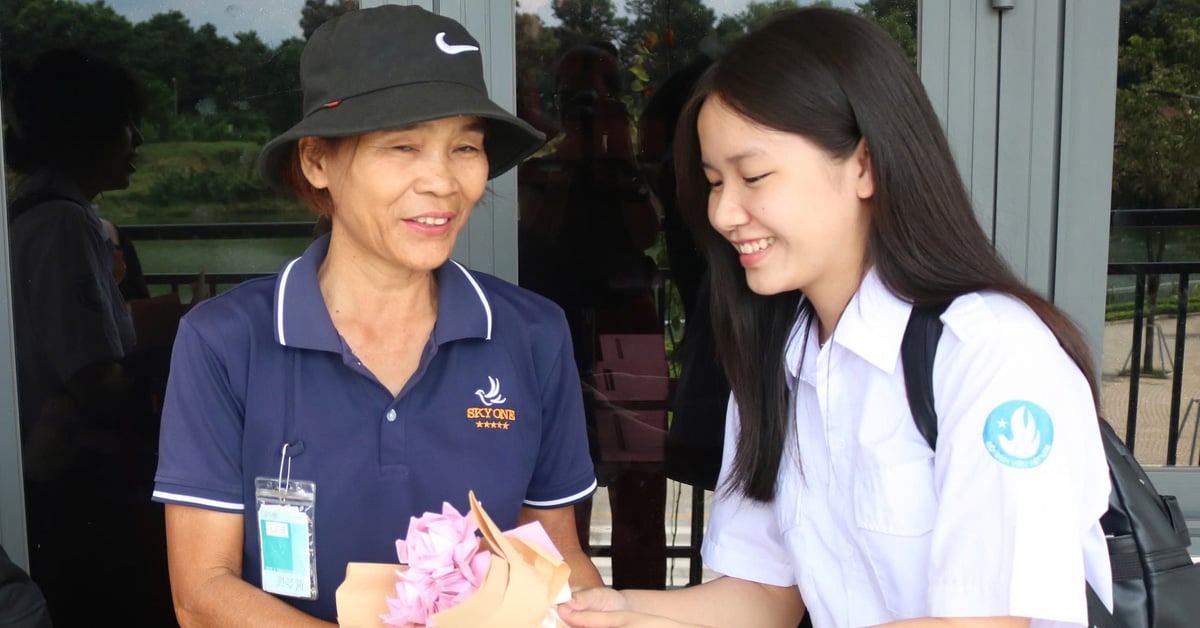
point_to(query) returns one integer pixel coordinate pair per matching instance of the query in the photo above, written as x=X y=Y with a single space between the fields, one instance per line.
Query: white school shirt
x=873 y=527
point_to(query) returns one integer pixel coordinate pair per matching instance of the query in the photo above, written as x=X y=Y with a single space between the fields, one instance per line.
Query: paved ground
x=1153 y=416
x=1154 y=393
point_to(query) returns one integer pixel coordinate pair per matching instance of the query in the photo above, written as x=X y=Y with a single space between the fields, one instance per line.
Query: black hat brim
x=508 y=139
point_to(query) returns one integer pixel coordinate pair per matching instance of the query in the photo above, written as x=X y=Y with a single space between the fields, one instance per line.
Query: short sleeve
x=200 y=443
x=564 y=473
x=744 y=539
x=1020 y=473
x=70 y=290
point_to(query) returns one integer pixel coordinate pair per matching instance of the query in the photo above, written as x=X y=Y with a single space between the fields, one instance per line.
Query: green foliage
x=1123 y=310
x=317 y=12
x=1156 y=160
x=587 y=21
x=174 y=186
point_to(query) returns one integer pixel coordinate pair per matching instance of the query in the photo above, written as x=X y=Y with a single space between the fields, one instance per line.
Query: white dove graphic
x=492 y=396
x=1026 y=440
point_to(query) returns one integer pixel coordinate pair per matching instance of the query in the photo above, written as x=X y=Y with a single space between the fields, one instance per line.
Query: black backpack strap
x=917 y=350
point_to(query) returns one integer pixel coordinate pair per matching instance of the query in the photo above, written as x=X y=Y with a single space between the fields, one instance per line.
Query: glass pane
x=1155 y=160
x=132 y=128
x=598 y=234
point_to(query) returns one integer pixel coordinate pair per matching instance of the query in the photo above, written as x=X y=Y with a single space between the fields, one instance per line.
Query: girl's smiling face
x=798 y=217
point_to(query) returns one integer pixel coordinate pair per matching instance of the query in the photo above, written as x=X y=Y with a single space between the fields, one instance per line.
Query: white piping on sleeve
x=199 y=501
x=565 y=500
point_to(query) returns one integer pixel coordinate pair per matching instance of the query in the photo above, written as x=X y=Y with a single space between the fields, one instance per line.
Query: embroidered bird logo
x=1026 y=439
x=492 y=396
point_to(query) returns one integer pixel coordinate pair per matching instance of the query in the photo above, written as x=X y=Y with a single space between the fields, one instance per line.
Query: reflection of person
x=834 y=204
x=694 y=441
x=87 y=420
x=372 y=371
x=586 y=223
x=21 y=602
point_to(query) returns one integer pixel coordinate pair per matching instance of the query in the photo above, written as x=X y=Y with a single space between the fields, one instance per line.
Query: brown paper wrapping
x=518 y=590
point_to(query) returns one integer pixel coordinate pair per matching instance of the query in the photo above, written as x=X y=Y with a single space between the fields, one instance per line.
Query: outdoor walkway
x=1154 y=393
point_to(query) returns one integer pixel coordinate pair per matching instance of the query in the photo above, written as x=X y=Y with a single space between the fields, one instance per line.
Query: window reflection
x=131 y=133
x=1155 y=159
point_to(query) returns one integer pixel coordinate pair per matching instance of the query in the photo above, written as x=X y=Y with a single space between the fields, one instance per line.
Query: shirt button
x=837 y=443
x=391 y=415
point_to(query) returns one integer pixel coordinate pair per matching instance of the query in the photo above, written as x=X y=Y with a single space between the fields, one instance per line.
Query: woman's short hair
x=65 y=101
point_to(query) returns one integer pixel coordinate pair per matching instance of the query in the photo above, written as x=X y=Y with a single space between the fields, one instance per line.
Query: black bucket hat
x=392 y=66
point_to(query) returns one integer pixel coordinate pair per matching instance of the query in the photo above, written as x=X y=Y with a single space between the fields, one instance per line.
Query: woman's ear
x=864 y=180
x=313 y=162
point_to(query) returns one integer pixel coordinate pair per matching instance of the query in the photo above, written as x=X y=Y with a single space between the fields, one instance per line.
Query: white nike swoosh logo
x=452 y=49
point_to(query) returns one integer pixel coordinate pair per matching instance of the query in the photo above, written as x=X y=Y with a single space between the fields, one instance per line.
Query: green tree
x=662 y=36
x=38 y=25
x=537 y=51
x=317 y=12
x=588 y=21
x=898 y=18
x=733 y=26
x=1156 y=156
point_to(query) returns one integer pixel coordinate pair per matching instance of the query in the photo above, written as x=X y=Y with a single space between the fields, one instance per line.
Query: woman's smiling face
x=403 y=195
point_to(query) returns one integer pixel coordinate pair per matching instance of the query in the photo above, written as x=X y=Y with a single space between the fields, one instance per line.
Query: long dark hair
x=835 y=79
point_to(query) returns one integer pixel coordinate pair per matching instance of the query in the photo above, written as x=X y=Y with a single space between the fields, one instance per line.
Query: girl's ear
x=313 y=162
x=864 y=180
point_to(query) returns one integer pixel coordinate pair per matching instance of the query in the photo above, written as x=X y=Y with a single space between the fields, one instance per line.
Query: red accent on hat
x=333 y=103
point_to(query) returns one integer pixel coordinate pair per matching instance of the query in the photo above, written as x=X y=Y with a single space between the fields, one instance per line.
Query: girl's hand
x=596 y=599
x=607 y=608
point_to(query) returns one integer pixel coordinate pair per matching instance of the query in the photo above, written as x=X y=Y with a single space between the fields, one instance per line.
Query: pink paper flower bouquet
x=450 y=577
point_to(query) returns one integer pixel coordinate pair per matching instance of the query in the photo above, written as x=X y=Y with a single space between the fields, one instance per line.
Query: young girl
x=833 y=207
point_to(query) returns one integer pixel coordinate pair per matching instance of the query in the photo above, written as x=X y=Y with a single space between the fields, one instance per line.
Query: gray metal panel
x=1026 y=141
x=489 y=241
x=491 y=235
x=959 y=48
x=12 y=496
x=1085 y=170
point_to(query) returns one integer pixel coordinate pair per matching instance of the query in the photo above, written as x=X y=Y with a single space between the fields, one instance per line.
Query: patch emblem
x=1019 y=434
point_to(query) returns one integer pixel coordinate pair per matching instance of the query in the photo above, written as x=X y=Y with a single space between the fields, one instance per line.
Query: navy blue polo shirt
x=494 y=406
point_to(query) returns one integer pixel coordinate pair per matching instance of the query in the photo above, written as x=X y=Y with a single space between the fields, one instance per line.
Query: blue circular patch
x=1019 y=434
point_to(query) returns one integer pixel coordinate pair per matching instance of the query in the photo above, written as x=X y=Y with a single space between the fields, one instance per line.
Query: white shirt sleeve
x=1019 y=469
x=744 y=538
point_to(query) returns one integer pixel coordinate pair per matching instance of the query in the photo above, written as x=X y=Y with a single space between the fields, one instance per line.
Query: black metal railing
x=1182 y=272
x=1141 y=271
x=213 y=231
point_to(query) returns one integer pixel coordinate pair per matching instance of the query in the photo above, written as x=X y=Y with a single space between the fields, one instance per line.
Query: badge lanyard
x=286 y=511
x=286 y=514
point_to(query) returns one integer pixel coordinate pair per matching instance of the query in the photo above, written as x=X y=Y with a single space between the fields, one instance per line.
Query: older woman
x=309 y=415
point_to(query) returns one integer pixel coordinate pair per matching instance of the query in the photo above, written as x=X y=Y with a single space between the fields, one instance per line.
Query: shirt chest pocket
x=895 y=498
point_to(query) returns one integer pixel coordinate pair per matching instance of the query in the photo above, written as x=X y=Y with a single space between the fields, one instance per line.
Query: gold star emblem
x=479 y=424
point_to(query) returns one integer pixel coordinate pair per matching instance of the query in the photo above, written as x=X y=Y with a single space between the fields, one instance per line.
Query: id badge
x=286 y=515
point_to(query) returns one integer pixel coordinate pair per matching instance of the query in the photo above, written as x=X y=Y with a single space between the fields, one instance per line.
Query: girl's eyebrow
x=737 y=157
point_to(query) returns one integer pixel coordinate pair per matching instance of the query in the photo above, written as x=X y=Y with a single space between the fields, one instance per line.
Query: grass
x=1167 y=306
x=232 y=158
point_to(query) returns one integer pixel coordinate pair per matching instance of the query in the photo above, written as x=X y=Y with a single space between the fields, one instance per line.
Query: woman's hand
x=608 y=608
